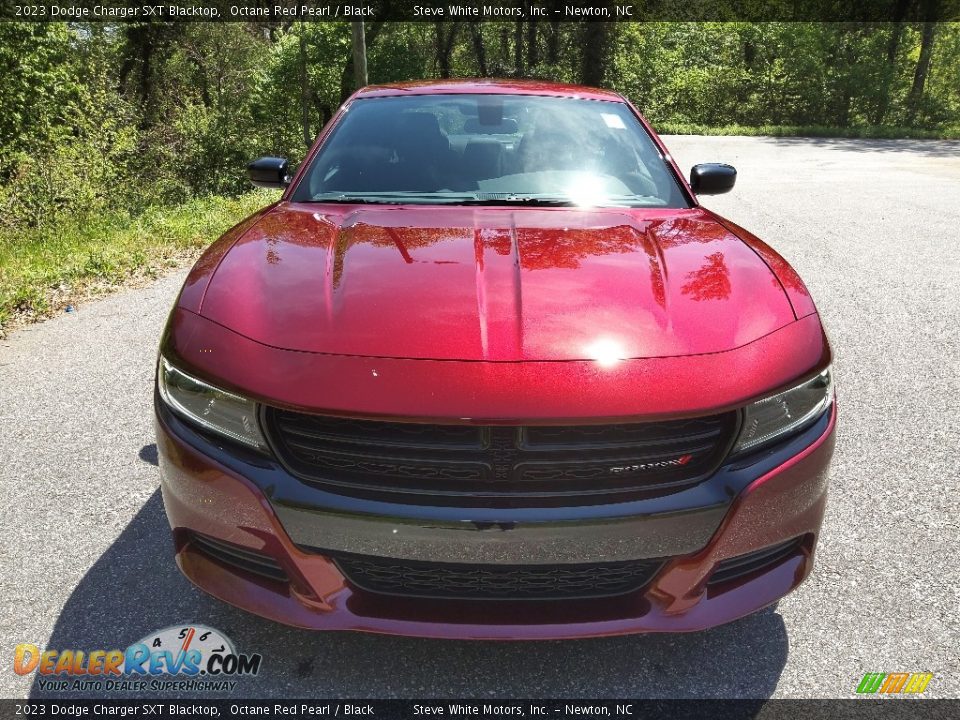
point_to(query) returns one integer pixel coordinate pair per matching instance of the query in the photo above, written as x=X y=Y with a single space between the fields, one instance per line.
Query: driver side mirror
x=269 y=172
x=712 y=178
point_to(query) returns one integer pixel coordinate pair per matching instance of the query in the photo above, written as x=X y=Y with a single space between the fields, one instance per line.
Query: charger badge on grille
x=682 y=460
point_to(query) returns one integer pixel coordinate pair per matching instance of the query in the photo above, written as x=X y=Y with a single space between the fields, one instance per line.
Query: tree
x=922 y=70
x=359 y=56
x=446 y=36
x=533 y=48
x=39 y=78
x=304 y=89
x=348 y=78
x=595 y=52
x=890 y=69
x=476 y=37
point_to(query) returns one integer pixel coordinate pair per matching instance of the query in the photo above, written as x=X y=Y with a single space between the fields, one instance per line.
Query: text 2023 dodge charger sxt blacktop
x=489 y=370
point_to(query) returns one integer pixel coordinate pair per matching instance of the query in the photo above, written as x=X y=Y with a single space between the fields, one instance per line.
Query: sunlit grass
x=45 y=269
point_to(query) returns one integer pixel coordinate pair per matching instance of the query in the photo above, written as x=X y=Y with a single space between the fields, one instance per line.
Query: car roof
x=486 y=86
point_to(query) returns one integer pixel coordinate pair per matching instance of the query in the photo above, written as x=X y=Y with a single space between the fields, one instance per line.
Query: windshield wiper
x=345 y=199
x=474 y=199
x=535 y=200
x=441 y=198
x=510 y=199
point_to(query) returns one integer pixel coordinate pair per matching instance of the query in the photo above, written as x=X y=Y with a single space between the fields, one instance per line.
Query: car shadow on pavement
x=135 y=588
x=928 y=148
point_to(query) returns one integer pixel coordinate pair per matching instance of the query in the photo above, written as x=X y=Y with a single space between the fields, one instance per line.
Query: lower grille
x=238 y=557
x=498 y=466
x=496 y=582
x=742 y=565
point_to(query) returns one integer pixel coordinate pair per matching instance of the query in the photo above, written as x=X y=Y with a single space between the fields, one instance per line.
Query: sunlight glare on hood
x=606 y=351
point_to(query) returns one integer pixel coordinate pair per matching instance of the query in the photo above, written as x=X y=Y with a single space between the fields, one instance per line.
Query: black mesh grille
x=620 y=435
x=496 y=582
x=498 y=466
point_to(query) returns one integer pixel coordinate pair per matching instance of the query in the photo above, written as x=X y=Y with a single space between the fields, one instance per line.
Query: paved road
x=872 y=226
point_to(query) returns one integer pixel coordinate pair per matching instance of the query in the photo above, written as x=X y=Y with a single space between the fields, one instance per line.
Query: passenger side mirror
x=712 y=178
x=269 y=172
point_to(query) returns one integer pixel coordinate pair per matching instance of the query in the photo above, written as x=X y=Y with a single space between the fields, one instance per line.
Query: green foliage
x=401 y=51
x=797 y=74
x=43 y=269
x=100 y=119
x=37 y=81
x=77 y=168
x=278 y=111
x=121 y=144
x=205 y=129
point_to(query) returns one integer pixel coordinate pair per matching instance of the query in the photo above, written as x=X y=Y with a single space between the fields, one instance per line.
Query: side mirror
x=269 y=172
x=712 y=178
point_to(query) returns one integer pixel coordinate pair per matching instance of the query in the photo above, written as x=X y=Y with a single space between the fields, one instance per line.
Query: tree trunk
x=518 y=48
x=196 y=57
x=848 y=56
x=504 y=48
x=304 y=89
x=347 y=77
x=595 y=41
x=899 y=13
x=476 y=36
x=359 y=44
x=553 y=43
x=923 y=69
x=890 y=71
x=533 y=52
x=146 y=69
x=323 y=113
x=444 y=46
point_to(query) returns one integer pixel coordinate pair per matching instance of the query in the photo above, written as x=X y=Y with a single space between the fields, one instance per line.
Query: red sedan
x=488 y=370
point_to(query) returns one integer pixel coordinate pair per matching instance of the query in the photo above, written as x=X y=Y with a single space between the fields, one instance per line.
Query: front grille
x=497 y=466
x=242 y=558
x=496 y=582
x=741 y=565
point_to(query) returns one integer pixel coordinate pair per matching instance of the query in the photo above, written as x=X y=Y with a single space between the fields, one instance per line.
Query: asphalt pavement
x=874 y=229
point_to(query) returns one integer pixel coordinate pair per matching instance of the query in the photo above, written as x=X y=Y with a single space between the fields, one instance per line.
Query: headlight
x=769 y=420
x=216 y=410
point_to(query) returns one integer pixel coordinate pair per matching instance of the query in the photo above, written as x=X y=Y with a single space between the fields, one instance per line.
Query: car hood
x=494 y=283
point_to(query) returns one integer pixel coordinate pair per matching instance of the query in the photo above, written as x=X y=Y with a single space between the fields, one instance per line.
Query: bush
x=44 y=268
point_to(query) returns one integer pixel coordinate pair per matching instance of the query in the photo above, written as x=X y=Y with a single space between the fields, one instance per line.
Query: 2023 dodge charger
x=488 y=370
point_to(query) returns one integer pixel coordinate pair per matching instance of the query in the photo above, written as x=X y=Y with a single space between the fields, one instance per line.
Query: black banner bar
x=116 y=11
x=625 y=709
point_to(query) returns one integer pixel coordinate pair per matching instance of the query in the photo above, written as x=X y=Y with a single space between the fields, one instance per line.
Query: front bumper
x=249 y=502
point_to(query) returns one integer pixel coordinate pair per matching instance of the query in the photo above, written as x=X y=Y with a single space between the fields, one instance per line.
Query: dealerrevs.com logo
x=191 y=657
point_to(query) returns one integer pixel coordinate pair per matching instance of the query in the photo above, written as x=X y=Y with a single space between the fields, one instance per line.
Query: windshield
x=492 y=150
